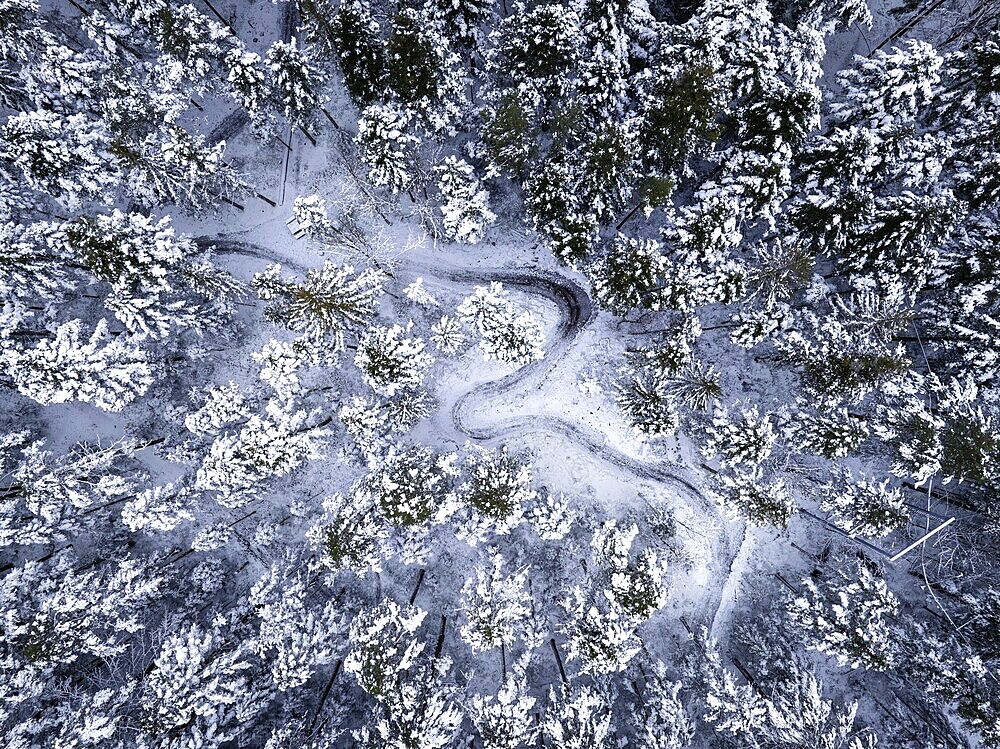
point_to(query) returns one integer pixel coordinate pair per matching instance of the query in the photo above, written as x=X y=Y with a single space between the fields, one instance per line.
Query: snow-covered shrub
x=447 y=335
x=551 y=516
x=416 y=292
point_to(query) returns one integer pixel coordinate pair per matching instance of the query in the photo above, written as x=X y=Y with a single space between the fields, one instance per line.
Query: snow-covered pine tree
x=630 y=275
x=51 y=498
x=638 y=587
x=420 y=710
x=132 y=252
x=839 y=363
x=958 y=667
x=465 y=209
x=60 y=612
x=247 y=79
x=495 y=603
x=648 y=404
x=160 y=508
x=222 y=405
x=447 y=335
x=293 y=637
x=578 y=717
x=268 y=445
x=67 y=157
x=505 y=721
x=422 y=70
x=750 y=496
x=604 y=61
x=311 y=217
x=386 y=146
x=535 y=48
x=294 y=82
x=497 y=487
x=832 y=435
x=507 y=336
x=279 y=364
x=109 y=372
x=330 y=302
x=849 y=618
x=174 y=167
x=744 y=441
x=889 y=87
x=391 y=360
x=680 y=98
x=863 y=506
x=559 y=210
x=659 y=717
x=189 y=44
x=360 y=51
x=350 y=534
x=601 y=637
x=383 y=646
x=551 y=516
x=200 y=686
x=732 y=708
x=409 y=484
x=789 y=710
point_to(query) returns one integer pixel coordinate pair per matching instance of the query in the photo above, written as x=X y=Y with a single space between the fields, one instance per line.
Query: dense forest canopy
x=499 y=373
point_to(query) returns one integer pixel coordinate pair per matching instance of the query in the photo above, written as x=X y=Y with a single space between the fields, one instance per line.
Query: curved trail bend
x=575 y=312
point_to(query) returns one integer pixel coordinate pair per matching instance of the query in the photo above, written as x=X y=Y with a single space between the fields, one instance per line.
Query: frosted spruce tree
x=849 y=618
x=496 y=603
x=108 y=372
x=465 y=205
x=327 y=304
x=505 y=335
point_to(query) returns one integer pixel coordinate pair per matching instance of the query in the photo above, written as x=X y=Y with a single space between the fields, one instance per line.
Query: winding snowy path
x=576 y=311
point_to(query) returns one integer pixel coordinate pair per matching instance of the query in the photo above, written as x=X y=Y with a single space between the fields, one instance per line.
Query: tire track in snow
x=576 y=311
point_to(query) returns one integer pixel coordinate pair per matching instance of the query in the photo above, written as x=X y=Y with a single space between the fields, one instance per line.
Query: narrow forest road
x=576 y=311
